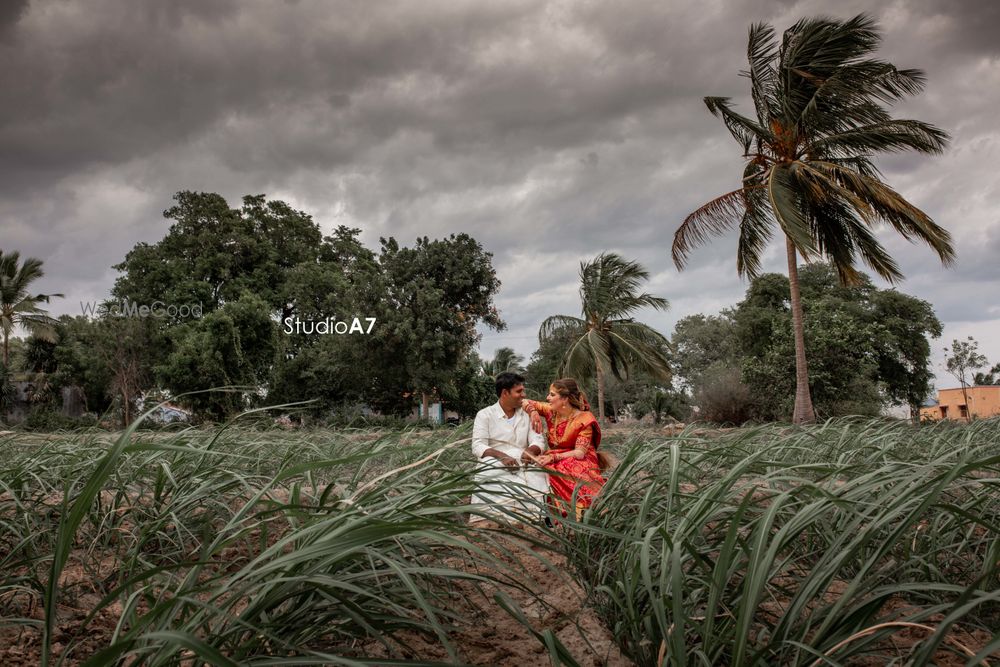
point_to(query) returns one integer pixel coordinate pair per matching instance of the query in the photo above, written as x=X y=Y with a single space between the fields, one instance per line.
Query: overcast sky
x=548 y=131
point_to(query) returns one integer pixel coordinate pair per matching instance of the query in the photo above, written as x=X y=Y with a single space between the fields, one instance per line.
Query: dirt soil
x=553 y=601
x=549 y=598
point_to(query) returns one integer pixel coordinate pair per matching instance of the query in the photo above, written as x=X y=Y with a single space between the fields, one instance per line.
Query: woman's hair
x=568 y=389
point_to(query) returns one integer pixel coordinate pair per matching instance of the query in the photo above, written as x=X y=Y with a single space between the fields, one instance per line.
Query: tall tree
x=607 y=340
x=213 y=253
x=701 y=342
x=434 y=295
x=123 y=345
x=820 y=101
x=18 y=306
x=962 y=359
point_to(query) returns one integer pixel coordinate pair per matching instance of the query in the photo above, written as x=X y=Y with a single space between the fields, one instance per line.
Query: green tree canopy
x=701 y=342
x=868 y=347
x=990 y=377
x=231 y=347
x=434 y=296
x=213 y=253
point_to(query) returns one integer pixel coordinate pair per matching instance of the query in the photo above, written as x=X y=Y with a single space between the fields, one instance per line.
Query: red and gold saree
x=581 y=431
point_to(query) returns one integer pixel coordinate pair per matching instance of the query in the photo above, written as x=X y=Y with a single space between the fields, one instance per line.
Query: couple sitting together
x=520 y=466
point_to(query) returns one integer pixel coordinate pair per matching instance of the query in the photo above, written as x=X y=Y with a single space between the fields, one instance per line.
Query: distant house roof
x=929 y=403
x=971 y=386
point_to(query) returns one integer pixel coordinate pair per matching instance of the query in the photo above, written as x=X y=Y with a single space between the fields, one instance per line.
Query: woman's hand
x=536 y=422
x=545 y=459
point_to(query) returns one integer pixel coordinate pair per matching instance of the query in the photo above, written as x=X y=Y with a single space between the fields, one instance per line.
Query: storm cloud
x=548 y=131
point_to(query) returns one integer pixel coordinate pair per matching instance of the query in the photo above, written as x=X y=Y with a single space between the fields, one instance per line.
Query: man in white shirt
x=503 y=441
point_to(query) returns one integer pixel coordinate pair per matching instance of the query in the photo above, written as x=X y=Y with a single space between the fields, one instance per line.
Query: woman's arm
x=582 y=444
x=536 y=406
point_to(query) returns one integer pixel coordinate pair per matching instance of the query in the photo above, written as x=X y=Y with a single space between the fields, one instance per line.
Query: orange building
x=984 y=401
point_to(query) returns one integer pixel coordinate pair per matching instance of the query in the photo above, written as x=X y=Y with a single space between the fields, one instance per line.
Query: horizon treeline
x=257 y=299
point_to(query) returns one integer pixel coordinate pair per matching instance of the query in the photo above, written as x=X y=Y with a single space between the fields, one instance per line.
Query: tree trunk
x=425 y=401
x=126 y=409
x=600 y=394
x=965 y=397
x=5 y=349
x=803 y=412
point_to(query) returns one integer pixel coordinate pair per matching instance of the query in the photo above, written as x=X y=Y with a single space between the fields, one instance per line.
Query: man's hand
x=536 y=422
x=509 y=462
x=529 y=454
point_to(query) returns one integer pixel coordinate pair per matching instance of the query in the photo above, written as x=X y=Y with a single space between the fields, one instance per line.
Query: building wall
x=983 y=402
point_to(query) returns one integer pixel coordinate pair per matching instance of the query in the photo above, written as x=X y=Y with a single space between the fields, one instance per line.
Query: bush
x=6 y=390
x=46 y=419
x=723 y=398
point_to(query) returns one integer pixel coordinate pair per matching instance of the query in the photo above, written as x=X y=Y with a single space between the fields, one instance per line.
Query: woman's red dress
x=579 y=431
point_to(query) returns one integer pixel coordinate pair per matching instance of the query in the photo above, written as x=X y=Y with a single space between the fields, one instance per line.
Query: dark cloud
x=549 y=131
x=10 y=14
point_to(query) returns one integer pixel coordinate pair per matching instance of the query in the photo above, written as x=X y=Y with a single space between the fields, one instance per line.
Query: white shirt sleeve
x=480 y=434
x=536 y=438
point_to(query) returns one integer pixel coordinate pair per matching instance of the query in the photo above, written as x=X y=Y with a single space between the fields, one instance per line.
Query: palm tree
x=17 y=306
x=504 y=359
x=820 y=119
x=606 y=338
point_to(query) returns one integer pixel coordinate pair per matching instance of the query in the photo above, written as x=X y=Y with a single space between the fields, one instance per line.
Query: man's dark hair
x=507 y=380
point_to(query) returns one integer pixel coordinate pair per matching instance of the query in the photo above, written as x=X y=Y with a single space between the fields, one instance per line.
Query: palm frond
x=892 y=136
x=842 y=234
x=854 y=93
x=786 y=204
x=712 y=219
x=583 y=355
x=755 y=233
x=762 y=51
x=557 y=324
x=640 y=346
x=631 y=303
x=888 y=205
x=744 y=130
x=40 y=326
x=609 y=288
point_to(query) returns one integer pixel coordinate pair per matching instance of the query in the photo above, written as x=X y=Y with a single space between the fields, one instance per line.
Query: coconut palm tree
x=820 y=103
x=606 y=338
x=504 y=359
x=18 y=307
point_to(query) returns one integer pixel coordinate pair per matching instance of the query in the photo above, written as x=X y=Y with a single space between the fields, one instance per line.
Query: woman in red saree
x=574 y=436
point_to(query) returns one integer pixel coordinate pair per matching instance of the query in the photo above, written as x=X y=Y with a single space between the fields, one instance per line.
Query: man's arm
x=536 y=445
